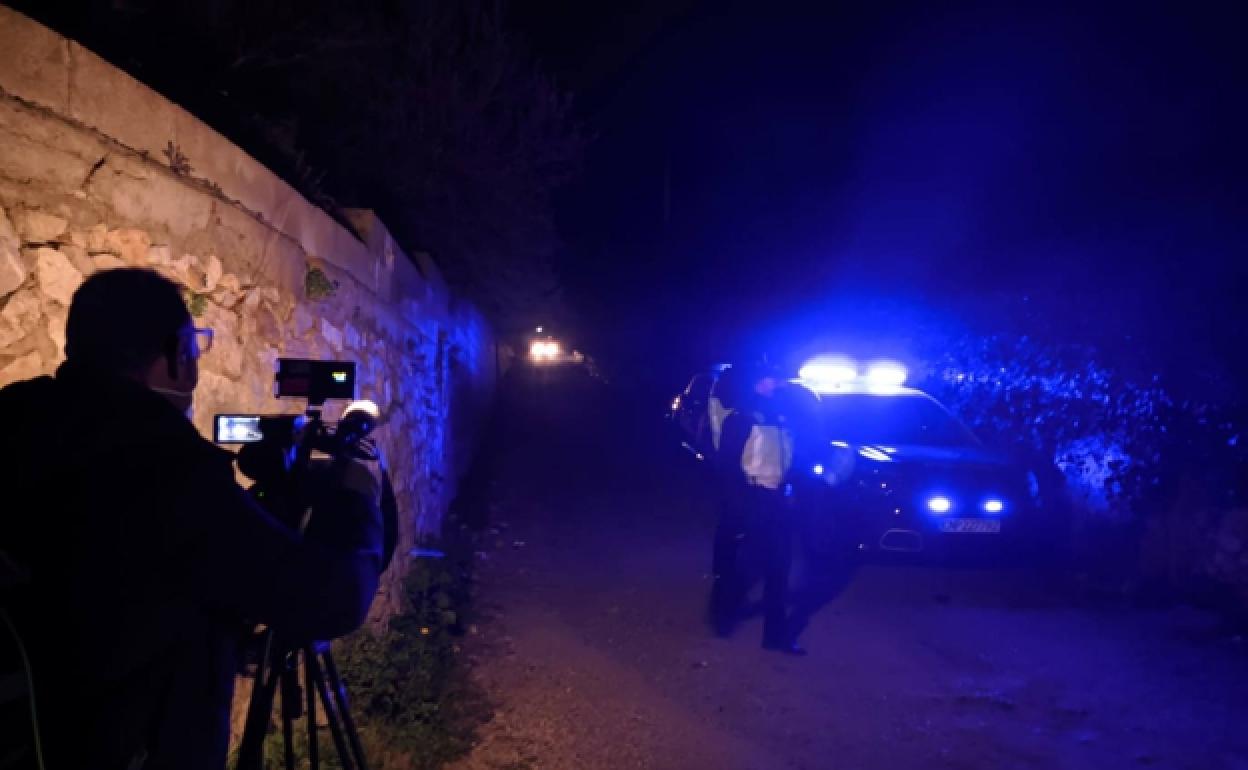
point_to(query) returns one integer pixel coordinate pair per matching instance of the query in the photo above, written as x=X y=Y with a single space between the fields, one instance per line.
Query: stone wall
x=97 y=171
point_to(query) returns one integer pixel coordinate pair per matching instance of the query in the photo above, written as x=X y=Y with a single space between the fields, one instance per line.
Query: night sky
x=760 y=170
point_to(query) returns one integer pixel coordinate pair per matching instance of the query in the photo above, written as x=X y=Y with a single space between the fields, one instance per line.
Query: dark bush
x=1135 y=460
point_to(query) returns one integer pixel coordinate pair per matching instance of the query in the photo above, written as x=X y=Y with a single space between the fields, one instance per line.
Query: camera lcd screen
x=315 y=380
x=237 y=429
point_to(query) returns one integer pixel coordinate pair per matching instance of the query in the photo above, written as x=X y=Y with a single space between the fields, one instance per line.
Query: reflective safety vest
x=718 y=413
x=768 y=455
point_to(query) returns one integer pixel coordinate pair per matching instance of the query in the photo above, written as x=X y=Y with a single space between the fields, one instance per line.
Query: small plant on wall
x=195 y=303
x=317 y=285
x=178 y=162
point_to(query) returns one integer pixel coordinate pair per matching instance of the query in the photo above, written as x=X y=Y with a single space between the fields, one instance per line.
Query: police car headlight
x=939 y=504
x=993 y=505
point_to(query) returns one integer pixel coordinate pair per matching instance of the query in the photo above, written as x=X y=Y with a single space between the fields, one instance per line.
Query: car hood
x=913 y=454
x=921 y=469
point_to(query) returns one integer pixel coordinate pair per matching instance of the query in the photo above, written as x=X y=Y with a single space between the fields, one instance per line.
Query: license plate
x=971 y=526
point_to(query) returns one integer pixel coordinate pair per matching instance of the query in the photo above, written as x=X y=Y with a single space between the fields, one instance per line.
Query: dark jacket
x=147 y=562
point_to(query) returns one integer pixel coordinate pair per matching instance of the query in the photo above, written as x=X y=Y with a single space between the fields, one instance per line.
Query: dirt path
x=592 y=646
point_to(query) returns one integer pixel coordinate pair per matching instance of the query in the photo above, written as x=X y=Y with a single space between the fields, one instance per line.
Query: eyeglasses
x=200 y=340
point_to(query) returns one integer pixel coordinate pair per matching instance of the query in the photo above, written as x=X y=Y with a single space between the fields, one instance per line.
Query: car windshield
x=911 y=418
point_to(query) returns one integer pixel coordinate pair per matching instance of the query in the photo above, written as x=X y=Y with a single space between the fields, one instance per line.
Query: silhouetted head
x=133 y=323
x=763 y=378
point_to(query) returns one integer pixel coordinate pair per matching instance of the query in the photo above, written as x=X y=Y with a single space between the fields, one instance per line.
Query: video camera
x=277 y=450
x=316 y=381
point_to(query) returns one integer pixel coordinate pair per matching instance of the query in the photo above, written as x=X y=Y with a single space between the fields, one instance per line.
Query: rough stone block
x=54 y=320
x=214 y=393
x=251 y=248
x=212 y=270
x=34 y=61
x=21 y=307
x=51 y=154
x=322 y=237
x=78 y=257
x=331 y=335
x=231 y=283
x=19 y=317
x=351 y=337
x=23 y=368
x=9 y=334
x=251 y=302
x=96 y=237
x=267 y=324
x=226 y=356
x=148 y=196
x=58 y=278
x=39 y=227
x=158 y=254
x=224 y=297
x=177 y=269
x=129 y=244
x=229 y=359
x=304 y=320
x=107 y=262
x=12 y=271
x=117 y=105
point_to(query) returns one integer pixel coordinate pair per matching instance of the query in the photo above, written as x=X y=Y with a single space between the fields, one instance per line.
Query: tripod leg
x=314 y=748
x=260 y=709
x=291 y=707
x=288 y=723
x=340 y=694
x=331 y=713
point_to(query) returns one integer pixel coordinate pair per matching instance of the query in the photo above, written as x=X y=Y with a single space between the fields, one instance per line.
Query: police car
x=691 y=411
x=890 y=468
x=902 y=473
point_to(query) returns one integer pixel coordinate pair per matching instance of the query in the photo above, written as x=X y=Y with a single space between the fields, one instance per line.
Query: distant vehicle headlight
x=544 y=350
x=818 y=469
x=939 y=504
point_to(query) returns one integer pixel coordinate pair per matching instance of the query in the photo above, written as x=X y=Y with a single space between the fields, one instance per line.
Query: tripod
x=280 y=660
x=279 y=669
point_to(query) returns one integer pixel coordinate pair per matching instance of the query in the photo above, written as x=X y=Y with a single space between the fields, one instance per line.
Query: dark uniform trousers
x=757 y=521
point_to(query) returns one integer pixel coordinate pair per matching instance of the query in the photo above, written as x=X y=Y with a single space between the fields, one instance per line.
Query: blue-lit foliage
x=1121 y=445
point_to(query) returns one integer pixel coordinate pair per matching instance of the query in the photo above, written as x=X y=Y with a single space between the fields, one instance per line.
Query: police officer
x=754 y=459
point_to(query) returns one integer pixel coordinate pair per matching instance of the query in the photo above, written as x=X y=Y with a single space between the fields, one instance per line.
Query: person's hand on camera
x=266 y=462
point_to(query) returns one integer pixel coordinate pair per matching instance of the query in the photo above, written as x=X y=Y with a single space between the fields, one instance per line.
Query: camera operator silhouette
x=147 y=563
